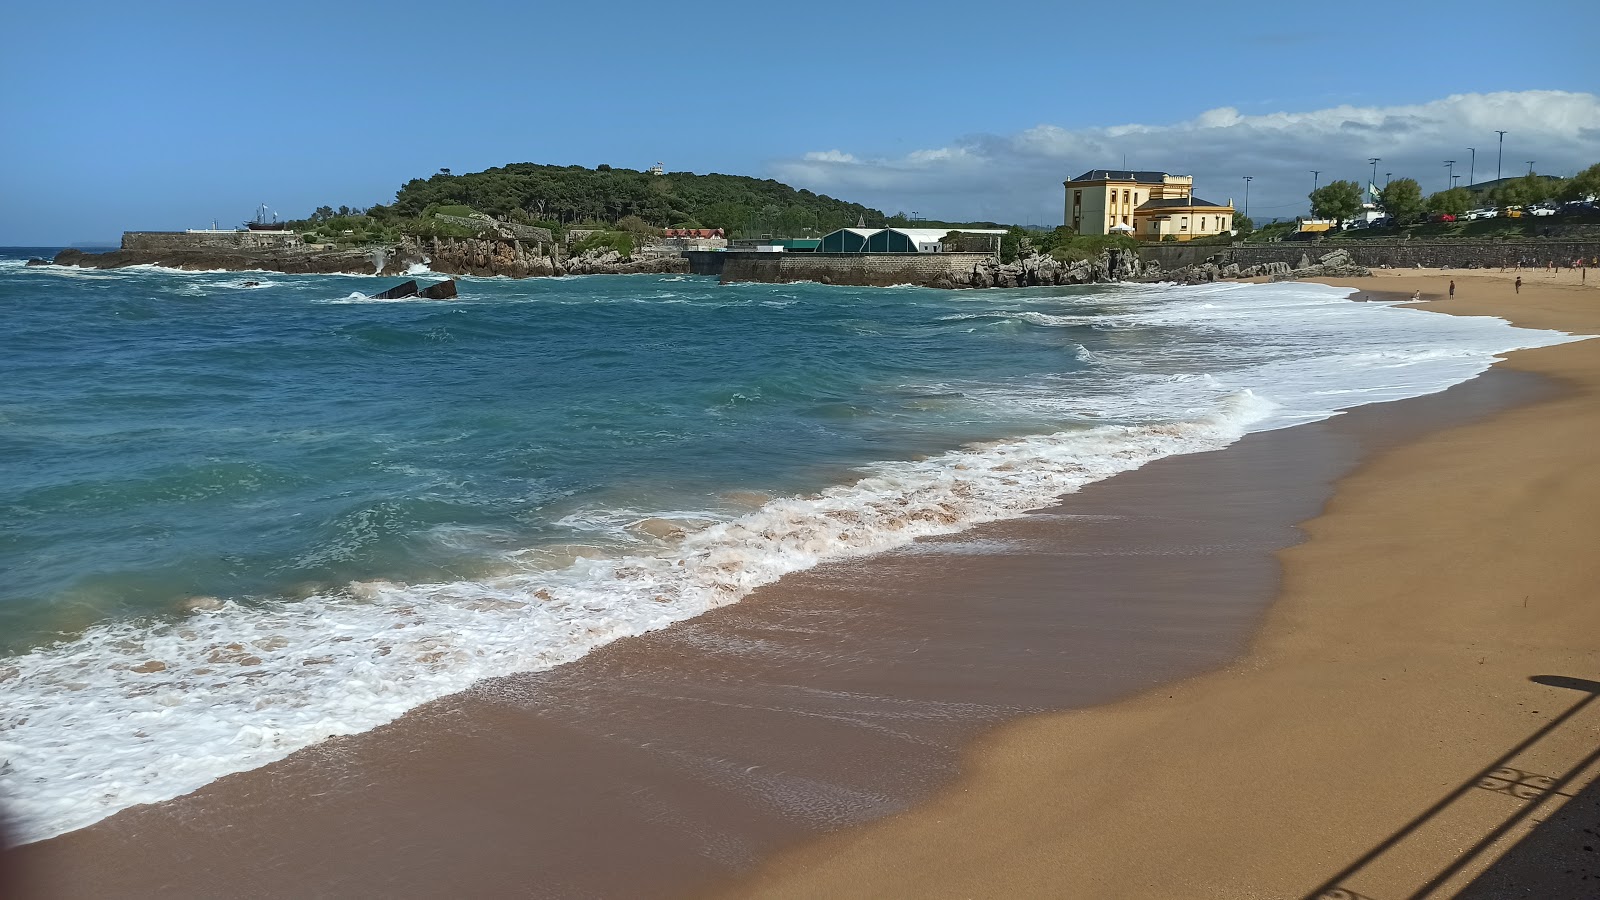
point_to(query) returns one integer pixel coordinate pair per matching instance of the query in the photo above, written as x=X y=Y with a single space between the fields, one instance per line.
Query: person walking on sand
x=1453 y=288
x=1519 y=284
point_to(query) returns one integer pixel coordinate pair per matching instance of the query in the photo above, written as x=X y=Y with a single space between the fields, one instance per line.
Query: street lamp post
x=1501 y=155
x=1530 y=167
x=1247 y=195
x=1450 y=167
x=1472 y=167
x=1386 y=178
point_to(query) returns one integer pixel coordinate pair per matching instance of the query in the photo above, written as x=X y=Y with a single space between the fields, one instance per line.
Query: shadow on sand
x=1549 y=862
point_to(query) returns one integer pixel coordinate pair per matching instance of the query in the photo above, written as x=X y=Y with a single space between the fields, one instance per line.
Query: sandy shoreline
x=1383 y=737
x=675 y=762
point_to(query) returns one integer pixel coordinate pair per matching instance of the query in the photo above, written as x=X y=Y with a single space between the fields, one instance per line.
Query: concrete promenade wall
x=1379 y=253
x=211 y=240
x=861 y=269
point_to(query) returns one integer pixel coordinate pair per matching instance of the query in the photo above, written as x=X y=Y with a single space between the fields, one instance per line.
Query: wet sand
x=680 y=762
x=1410 y=721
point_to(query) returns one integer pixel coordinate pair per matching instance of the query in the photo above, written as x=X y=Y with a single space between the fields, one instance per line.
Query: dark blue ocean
x=237 y=518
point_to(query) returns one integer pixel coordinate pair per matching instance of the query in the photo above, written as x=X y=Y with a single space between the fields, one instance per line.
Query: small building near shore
x=1181 y=219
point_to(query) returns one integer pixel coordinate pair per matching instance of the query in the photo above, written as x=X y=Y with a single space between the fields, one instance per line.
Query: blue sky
x=166 y=115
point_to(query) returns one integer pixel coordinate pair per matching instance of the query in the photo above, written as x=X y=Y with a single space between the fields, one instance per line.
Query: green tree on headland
x=1401 y=200
x=1243 y=224
x=1336 y=200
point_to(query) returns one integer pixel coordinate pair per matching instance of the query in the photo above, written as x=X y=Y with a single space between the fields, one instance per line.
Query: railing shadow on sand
x=1503 y=777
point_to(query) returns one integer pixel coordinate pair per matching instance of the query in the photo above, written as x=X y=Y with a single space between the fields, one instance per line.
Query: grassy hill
x=568 y=195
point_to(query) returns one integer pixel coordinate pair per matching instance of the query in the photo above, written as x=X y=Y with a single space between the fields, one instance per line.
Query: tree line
x=1402 y=199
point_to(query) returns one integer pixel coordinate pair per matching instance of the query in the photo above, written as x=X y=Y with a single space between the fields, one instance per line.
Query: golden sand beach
x=1413 y=718
x=1421 y=685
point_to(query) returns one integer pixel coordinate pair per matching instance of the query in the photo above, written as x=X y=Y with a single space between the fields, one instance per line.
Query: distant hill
x=567 y=195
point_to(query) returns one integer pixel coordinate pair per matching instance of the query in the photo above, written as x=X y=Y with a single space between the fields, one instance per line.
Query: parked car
x=1444 y=217
x=1541 y=211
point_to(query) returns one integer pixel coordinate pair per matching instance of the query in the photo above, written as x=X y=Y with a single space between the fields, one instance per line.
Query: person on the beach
x=1415 y=296
x=1519 y=284
x=1453 y=287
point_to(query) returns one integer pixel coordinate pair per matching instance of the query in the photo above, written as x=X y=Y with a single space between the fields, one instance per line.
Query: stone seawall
x=185 y=241
x=858 y=269
x=1378 y=253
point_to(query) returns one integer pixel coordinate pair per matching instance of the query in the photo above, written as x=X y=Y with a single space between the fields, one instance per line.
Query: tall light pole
x=1450 y=168
x=1386 y=178
x=1453 y=180
x=1472 y=167
x=1374 y=181
x=1530 y=167
x=1247 y=195
x=1499 y=156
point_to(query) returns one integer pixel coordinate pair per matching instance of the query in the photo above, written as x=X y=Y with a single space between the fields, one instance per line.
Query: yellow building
x=1148 y=205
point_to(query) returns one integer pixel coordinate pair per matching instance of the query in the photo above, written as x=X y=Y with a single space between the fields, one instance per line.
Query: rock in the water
x=36 y=261
x=408 y=289
x=444 y=290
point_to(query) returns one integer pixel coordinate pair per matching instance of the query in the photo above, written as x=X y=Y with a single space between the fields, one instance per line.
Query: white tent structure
x=898 y=240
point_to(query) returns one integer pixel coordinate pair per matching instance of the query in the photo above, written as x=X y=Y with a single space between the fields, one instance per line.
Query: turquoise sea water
x=236 y=519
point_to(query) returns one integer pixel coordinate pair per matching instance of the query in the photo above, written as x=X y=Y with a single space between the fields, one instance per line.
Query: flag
x=1373 y=188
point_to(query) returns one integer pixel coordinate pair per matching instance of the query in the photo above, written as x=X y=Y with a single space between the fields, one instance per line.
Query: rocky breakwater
x=1336 y=264
x=1037 y=270
x=510 y=257
x=376 y=260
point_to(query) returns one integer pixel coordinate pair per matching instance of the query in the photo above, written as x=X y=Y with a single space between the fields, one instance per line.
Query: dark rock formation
x=36 y=261
x=444 y=290
x=404 y=289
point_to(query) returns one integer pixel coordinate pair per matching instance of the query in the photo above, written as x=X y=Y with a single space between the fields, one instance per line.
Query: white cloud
x=1018 y=177
x=829 y=156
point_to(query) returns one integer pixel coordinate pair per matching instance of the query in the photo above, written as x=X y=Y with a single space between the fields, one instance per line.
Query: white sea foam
x=137 y=712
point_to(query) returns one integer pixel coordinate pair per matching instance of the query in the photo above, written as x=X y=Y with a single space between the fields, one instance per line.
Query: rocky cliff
x=516 y=259
x=1035 y=269
x=1336 y=264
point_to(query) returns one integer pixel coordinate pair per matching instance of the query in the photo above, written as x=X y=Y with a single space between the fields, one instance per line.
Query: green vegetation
x=1062 y=243
x=1584 y=184
x=1401 y=200
x=620 y=241
x=1243 y=224
x=1336 y=200
x=1453 y=202
x=566 y=195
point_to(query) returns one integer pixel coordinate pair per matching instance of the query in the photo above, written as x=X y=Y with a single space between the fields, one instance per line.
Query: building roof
x=1179 y=203
x=1123 y=175
x=935 y=235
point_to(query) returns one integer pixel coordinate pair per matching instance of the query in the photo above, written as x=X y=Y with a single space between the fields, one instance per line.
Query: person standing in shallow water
x=1453 y=288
